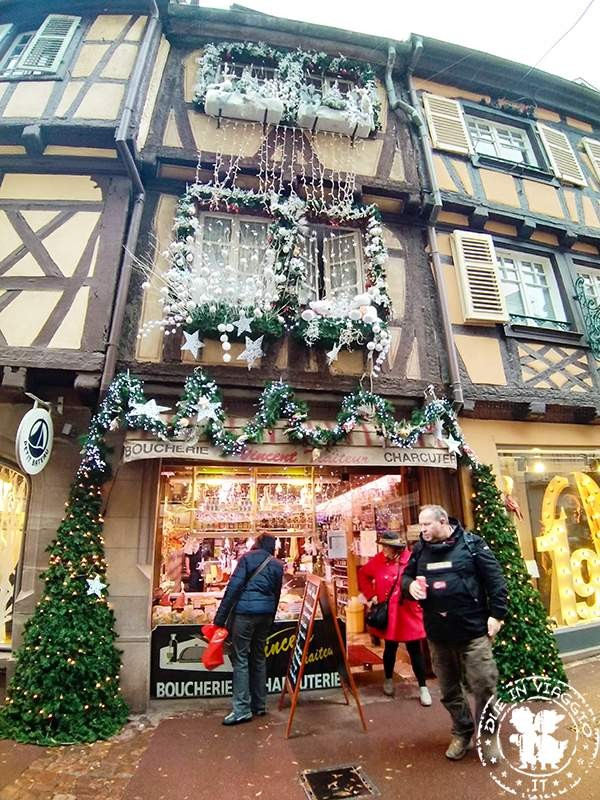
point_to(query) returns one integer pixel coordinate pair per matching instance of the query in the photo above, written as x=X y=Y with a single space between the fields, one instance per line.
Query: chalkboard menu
x=316 y=594
x=303 y=631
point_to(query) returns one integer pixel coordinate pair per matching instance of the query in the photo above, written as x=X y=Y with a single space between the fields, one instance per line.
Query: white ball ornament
x=371 y=346
x=229 y=327
x=224 y=337
x=377 y=328
x=221 y=327
x=226 y=358
x=226 y=346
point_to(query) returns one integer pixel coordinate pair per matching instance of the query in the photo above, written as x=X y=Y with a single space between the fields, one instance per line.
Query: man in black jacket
x=462 y=591
x=251 y=597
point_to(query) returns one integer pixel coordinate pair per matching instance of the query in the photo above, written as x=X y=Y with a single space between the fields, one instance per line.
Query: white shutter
x=592 y=148
x=46 y=50
x=478 y=279
x=561 y=155
x=5 y=31
x=446 y=124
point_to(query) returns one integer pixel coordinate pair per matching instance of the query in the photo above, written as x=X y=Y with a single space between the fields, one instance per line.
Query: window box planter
x=219 y=103
x=324 y=118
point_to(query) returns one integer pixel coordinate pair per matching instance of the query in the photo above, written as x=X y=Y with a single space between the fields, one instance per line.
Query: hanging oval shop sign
x=34 y=440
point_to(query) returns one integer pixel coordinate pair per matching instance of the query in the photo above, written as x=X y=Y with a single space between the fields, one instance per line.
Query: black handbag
x=377 y=615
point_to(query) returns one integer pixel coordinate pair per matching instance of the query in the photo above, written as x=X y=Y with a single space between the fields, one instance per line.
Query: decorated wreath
x=220 y=304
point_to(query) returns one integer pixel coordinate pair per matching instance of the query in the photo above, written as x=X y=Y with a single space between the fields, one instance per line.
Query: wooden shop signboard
x=316 y=595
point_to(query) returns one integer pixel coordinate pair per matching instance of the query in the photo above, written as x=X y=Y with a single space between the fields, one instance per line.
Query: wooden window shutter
x=592 y=148
x=46 y=50
x=478 y=279
x=446 y=124
x=561 y=155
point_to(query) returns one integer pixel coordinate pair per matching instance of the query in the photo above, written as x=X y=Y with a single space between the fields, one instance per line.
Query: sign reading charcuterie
x=285 y=454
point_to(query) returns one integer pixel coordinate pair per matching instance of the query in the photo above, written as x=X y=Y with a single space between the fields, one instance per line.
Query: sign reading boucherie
x=139 y=449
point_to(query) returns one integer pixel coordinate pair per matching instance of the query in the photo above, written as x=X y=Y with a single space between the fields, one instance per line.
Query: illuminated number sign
x=575 y=573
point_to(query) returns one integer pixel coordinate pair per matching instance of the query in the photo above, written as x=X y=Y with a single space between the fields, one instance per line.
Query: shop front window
x=554 y=496
x=323 y=519
x=14 y=491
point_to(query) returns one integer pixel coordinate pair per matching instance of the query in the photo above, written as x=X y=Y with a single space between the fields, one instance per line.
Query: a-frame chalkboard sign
x=316 y=594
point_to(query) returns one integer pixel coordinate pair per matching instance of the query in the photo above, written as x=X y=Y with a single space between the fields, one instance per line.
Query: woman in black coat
x=248 y=607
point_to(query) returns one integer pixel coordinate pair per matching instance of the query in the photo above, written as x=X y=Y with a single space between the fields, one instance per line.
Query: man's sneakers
x=458 y=747
x=388 y=687
x=233 y=719
x=424 y=696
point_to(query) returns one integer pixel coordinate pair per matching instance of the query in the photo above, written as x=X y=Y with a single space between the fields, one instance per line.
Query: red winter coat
x=405 y=617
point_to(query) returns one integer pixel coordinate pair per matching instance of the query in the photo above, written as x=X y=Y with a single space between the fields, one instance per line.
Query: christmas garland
x=210 y=302
x=201 y=405
x=290 y=84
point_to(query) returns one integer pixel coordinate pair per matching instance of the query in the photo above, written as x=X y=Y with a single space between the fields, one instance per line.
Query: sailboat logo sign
x=34 y=440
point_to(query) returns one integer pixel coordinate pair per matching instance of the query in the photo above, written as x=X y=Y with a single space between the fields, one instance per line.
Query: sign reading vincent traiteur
x=287 y=454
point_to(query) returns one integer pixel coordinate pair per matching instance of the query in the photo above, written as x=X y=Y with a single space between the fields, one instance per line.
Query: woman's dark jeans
x=248 y=640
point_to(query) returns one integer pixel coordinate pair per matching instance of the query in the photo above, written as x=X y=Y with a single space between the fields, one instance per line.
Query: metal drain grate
x=337 y=783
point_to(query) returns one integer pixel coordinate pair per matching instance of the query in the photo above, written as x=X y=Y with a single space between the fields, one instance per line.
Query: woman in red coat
x=381 y=577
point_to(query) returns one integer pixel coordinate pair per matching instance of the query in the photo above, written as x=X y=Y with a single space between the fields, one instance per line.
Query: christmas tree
x=66 y=684
x=525 y=645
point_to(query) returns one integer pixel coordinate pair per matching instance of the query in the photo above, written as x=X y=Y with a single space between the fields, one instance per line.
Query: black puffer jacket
x=260 y=595
x=465 y=586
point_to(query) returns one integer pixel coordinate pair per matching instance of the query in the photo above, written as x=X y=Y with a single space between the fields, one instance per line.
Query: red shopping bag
x=213 y=655
x=208 y=631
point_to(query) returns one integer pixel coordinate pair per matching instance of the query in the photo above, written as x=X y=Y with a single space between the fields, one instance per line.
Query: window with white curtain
x=333 y=260
x=234 y=247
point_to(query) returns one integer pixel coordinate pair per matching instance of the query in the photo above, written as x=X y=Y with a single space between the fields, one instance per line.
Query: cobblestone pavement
x=100 y=771
x=175 y=752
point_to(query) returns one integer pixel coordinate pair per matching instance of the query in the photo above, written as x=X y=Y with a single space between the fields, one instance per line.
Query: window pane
x=340 y=256
x=13 y=506
x=11 y=59
x=309 y=289
x=482 y=138
x=503 y=141
x=252 y=247
x=509 y=278
x=591 y=285
x=530 y=288
x=537 y=291
x=558 y=497
x=216 y=242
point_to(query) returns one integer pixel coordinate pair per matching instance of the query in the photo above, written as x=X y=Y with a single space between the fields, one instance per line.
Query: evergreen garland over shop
x=66 y=683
